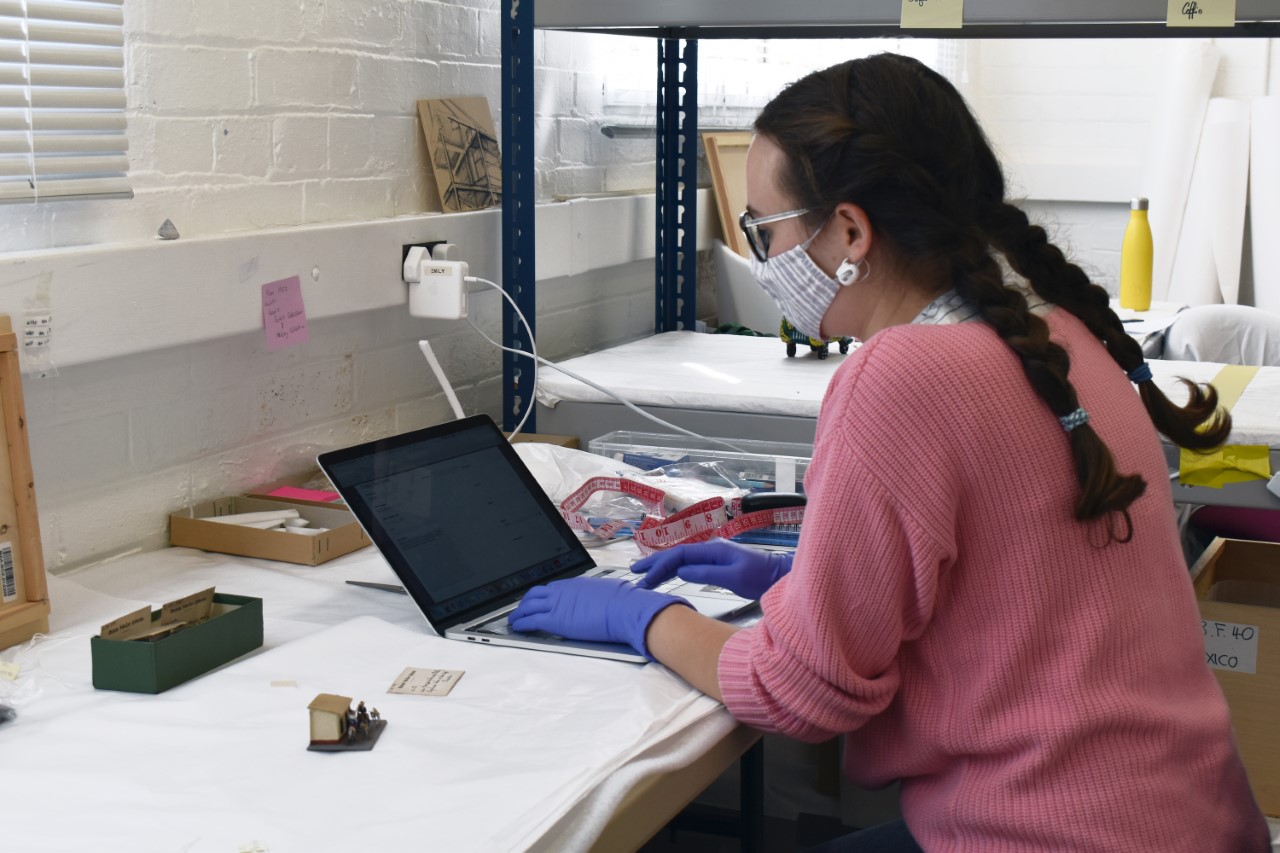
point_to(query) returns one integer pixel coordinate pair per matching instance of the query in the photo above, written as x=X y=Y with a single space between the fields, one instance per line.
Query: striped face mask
x=802 y=290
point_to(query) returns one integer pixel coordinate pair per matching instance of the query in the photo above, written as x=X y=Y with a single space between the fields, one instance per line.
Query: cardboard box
x=192 y=529
x=569 y=441
x=1237 y=583
x=153 y=666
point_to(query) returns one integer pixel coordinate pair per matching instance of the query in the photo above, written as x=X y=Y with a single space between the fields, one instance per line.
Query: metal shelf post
x=519 y=183
x=676 y=255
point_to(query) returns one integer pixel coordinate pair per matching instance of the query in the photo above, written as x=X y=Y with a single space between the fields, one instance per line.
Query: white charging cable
x=532 y=346
x=538 y=359
x=430 y=355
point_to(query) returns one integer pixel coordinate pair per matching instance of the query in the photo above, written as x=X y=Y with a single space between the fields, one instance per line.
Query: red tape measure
x=706 y=519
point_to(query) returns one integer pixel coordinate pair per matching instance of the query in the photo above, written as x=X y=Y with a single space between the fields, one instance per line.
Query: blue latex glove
x=741 y=569
x=607 y=610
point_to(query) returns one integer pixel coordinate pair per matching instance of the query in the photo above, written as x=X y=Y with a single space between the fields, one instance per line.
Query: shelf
x=842 y=18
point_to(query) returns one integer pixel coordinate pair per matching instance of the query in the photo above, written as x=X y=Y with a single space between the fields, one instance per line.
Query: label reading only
x=1230 y=646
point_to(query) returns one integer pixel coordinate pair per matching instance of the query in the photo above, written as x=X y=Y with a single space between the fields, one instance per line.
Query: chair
x=1226 y=334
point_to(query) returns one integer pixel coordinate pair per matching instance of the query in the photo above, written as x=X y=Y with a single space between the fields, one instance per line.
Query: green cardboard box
x=153 y=666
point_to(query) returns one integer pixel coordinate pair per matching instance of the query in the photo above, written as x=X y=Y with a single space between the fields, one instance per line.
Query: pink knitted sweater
x=1033 y=687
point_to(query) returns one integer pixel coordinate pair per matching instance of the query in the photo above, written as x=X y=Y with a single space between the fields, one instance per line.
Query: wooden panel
x=24 y=604
x=727 y=159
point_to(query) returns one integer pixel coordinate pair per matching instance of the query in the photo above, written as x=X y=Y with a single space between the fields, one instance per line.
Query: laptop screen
x=458 y=516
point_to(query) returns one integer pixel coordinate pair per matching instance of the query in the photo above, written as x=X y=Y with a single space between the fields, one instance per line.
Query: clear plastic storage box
x=757 y=465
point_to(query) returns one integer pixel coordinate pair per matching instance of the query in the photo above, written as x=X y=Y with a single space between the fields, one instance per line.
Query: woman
x=988 y=597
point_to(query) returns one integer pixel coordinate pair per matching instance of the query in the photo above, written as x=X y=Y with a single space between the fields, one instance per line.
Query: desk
x=531 y=751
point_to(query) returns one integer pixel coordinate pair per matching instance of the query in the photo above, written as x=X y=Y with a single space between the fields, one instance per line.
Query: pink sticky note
x=283 y=316
x=304 y=494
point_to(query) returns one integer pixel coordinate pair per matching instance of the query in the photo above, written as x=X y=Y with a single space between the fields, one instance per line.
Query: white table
x=531 y=750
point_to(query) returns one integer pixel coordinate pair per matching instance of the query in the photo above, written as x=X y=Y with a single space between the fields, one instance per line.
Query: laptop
x=468 y=530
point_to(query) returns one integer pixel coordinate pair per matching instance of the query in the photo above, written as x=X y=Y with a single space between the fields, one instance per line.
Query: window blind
x=62 y=121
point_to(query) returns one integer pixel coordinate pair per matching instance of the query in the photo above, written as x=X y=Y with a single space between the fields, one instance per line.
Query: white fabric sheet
x=1206 y=266
x=676 y=369
x=1264 y=202
x=691 y=370
x=1175 y=137
x=526 y=742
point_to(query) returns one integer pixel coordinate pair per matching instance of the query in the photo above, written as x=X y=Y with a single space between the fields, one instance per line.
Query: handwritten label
x=932 y=14
x=9 y=670
x=189 y=608
x=1230 y=646
x=1202 y=13
x=283 y=316
x=127 y=626
x=419 y=681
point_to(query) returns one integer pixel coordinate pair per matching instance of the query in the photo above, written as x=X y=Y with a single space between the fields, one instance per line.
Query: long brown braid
x=894 y=137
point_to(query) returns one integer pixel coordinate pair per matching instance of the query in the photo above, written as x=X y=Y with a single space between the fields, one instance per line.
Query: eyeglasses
x=759 y=240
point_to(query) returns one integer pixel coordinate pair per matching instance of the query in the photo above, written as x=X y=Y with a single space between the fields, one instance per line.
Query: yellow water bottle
x=1135 y=259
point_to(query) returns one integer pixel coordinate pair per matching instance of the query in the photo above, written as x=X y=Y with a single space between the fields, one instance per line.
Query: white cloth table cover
x=520 y=755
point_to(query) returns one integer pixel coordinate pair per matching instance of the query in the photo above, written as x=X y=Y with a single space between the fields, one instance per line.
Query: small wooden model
x=336 y=727
x=24 y=596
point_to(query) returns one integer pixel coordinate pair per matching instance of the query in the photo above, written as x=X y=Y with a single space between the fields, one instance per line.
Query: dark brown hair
x=895 y=137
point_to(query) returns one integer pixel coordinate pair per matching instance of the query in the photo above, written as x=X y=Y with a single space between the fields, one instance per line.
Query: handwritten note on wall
x=932 y=14
x=283 y=315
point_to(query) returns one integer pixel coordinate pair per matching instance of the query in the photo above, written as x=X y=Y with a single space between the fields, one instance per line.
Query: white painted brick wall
x=250 y=117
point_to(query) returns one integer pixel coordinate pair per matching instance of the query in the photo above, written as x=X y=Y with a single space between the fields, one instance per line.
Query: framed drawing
x=24 y=596
x=727 y=158
x=464 y=152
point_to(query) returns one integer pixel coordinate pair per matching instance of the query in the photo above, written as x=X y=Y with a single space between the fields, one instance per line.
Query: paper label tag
x=1230 y=646
x=127 y=626
x=1202 y=13
x=189 y=608
x=420 y=681
x=930 y=14
x=8 y=575
x=9 y=670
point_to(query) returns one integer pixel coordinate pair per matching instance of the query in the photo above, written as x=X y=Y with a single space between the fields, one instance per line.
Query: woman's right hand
x=741 y=569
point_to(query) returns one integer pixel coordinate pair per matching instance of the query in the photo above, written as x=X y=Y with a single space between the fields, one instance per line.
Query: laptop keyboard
x=500 y=627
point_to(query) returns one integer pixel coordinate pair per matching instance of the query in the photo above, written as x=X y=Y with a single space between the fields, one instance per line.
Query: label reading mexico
x=1230 y=646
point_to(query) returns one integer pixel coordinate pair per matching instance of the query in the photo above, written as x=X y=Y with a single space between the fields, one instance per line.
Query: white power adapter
x=437 y=288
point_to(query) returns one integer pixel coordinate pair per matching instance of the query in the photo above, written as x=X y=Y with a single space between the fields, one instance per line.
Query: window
x=62 y=121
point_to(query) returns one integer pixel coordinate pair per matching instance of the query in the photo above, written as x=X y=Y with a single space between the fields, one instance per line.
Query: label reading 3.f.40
x=1230 y=646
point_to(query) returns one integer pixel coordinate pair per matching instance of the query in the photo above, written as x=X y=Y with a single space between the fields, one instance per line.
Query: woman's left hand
x=601 y=609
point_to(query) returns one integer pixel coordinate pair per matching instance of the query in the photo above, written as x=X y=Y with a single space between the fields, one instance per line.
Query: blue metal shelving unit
x=677 y=25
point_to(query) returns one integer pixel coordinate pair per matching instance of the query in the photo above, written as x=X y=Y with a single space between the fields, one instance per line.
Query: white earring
x=850 y=271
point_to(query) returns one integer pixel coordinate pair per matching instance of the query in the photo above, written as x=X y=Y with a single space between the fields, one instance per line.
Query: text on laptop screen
x=459 y=518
